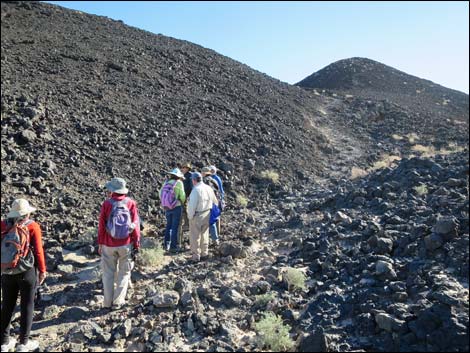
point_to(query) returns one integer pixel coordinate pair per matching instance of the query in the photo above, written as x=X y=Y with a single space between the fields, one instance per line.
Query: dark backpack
x=15 y=249
x=213 y=184
x=168 y=198
x=119 y=224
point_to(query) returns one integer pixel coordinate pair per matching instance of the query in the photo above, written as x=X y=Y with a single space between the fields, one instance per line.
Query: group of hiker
x=191 y=201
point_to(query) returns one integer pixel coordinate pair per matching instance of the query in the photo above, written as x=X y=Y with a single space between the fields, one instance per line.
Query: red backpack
x=15 y=250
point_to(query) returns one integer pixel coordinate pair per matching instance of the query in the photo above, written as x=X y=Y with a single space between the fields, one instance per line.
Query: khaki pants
x=184 y=226
x=199 y=241
x=115 y=259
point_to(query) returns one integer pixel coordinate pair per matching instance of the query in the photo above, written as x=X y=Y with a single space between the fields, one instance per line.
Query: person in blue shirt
x=217 y=178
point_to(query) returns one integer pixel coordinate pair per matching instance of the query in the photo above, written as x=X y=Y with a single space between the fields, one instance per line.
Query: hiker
x=118 y=239
x=172 y=198
x=188 y=186
x=199 y=206
x=19 y=273
x=208 y=180
x=217 y=178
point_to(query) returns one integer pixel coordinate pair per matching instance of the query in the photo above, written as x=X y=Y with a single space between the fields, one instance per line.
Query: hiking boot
x=10 y=345
x=118 y=306
x=30 y=346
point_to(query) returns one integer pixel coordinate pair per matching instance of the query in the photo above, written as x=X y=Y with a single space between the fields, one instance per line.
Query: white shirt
x=201 y=199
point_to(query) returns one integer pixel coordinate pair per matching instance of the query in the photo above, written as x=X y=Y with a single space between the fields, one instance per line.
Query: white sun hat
x=20 y=207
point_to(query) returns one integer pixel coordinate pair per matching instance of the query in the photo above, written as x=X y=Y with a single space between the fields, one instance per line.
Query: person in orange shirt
x=22 y=278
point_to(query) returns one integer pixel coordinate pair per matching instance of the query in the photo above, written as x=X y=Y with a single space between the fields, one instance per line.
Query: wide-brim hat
x=205 y=170
x=20 y=207
x=186 y=165
x=213 y=169
x=176 y=172
x=117 y=185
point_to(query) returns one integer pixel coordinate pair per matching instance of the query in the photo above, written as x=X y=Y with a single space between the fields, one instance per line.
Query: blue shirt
x=219 y=182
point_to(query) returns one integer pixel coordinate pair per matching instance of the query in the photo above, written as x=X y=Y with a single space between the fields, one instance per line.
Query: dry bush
x=412 y=138
x=421 y=190
x=241 y=200
x=151 y=257
x=385 y=162
x=270 y=175
x=358 y=173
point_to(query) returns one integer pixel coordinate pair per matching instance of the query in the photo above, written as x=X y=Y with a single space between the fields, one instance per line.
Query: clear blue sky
x=291 y=40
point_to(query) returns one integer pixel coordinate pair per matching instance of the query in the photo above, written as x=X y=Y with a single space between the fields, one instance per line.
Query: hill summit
x=371 y=79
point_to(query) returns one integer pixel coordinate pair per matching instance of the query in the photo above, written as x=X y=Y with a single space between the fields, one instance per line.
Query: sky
x=291 y=40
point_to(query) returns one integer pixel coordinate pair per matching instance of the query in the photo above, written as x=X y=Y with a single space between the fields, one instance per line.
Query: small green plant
x=151 y=257
x=270 y=175
x=421 y=189
x=273 y=333
x=295 y=279
x=242 y=200
x=263 y=299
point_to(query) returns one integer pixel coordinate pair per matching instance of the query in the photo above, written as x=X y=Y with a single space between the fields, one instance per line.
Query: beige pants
x=115 y=259
x=199 y=241
x=184 y=226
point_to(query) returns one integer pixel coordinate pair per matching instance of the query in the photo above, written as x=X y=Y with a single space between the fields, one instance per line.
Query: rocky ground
x=386 y=258
x=371 y=202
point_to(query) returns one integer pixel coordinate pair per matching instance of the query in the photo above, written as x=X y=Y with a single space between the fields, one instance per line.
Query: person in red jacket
x=22 y=279
x=117 y=240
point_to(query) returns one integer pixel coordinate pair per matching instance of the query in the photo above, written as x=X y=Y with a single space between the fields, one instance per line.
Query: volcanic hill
x=347 y=195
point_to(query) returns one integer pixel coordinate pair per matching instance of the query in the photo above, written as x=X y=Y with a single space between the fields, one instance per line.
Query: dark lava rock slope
x=85 y=98
x=431 y=109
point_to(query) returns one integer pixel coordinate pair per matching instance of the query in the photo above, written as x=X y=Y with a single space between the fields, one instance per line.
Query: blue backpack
x=215 y=214
x=120 y=224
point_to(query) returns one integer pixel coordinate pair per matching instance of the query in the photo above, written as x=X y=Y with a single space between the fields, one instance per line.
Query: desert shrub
x=273 y=333
x=421 y=189
x=242 y=200
x=385 y=162
x=427 y=150
x=412 y=137
x=358 y=173
x=294 y=278
x=452 y=148
x=270 y=175
x=151 y=257
x=263 y=299
x=430 y=151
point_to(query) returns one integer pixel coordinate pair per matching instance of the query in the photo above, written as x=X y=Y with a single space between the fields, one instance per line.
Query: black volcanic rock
x=370 y=79
x=99 y=99
x=385 y=256
x=380 y=101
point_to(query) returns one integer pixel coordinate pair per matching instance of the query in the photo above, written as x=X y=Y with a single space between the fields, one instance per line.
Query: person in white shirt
x=200 y=203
